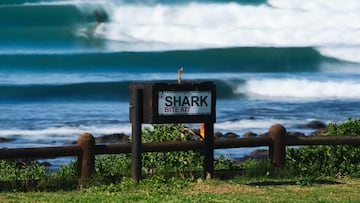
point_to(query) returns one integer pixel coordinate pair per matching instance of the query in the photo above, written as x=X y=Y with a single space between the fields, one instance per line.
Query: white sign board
x=184 y=103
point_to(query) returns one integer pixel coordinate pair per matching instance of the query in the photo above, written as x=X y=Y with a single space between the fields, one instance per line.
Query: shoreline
x=117 y=138
x=315 y=125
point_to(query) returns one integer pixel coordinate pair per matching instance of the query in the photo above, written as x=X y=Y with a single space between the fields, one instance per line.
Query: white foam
x=76 y=78
x=333 y=5
x=54 y=133
x=303 y=89
x=247 y=124
x=351 y=54
x=148 y=25
x=201 y=25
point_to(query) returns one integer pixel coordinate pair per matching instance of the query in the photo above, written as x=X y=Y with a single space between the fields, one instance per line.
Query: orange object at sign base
x=202 y=130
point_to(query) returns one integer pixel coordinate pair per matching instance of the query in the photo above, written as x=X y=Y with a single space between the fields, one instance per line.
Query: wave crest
x=300 y=89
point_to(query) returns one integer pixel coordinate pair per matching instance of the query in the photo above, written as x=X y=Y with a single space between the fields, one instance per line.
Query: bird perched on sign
x=180 y=70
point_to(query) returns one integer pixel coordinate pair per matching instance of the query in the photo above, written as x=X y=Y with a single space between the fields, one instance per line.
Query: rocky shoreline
x=115 y=138
x=317 y=126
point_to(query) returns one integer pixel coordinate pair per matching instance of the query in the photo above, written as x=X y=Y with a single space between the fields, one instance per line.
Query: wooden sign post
x=188 y=102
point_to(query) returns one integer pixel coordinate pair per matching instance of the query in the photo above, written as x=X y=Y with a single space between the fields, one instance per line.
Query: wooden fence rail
x=86 y=148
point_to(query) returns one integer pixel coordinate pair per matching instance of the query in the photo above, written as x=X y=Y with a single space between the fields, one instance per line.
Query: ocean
x=66 y=65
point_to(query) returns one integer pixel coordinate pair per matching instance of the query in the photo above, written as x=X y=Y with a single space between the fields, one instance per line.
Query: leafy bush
x=178 y=162
x=349 y=127
x=114 y=167
x=223 y=162
x=11 y=170
x=339 y=160
x=64 y=179
x=18 y=176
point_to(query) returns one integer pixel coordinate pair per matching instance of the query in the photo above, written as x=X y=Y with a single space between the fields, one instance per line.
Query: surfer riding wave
x=98 y=16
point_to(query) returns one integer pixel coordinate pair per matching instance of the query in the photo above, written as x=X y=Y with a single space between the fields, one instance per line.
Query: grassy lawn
x=235 y=190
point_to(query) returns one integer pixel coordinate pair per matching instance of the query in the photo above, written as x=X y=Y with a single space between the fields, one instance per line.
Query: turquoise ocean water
x=65 y=65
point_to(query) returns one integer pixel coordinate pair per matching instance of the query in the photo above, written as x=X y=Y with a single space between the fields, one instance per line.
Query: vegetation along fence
x=86 y=148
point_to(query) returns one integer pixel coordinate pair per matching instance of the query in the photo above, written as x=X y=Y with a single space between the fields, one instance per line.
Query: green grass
x=158 y=189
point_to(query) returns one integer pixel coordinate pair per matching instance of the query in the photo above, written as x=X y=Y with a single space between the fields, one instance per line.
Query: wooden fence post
x=86 y=161
x=136 y=145
x=277 y=151
x=209 y=151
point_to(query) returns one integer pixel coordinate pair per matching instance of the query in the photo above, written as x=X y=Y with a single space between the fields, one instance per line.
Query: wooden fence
x=86 y=148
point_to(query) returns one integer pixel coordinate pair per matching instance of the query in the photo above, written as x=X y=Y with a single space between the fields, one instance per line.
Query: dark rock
x=318 y=132
x=249 y=134
x=264 y=134
x=230 y=135
x=314 y=125
x=72 y=142
x=112 y=138
x=234 y=120
x=24 y=163
x=259 y=152
x=45 y=163
x=295 y=134
x=291 y=133
x=3 y=139
x=196 y=132
x=218 y=135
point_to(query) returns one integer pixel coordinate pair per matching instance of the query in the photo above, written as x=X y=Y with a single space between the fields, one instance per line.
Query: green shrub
x=64 y=179
x=253 y=168
x=349 y=127
x=11 y=170
x=178 y=162
x=113 y=166
x=339 y=160
x=223 y=162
